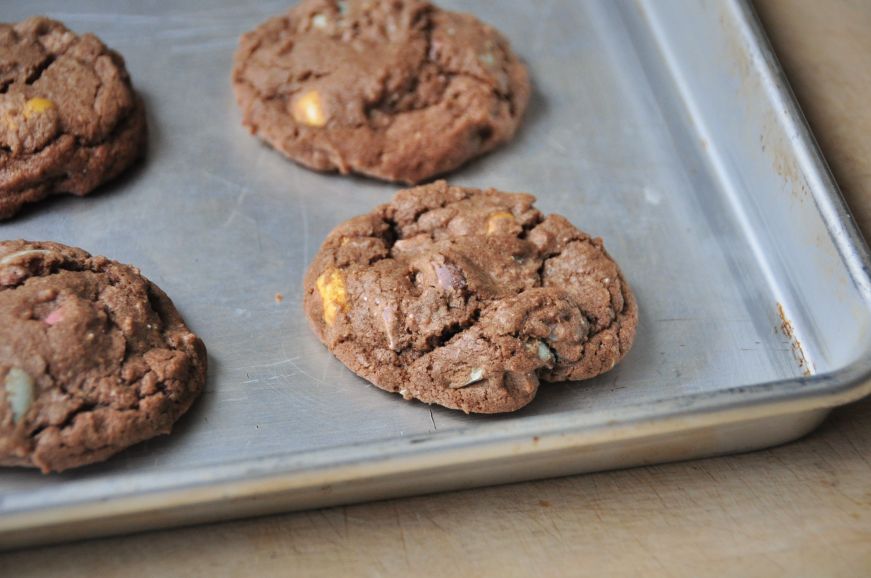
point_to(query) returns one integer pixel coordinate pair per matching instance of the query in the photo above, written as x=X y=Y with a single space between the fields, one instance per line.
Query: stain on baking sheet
x=789 y=333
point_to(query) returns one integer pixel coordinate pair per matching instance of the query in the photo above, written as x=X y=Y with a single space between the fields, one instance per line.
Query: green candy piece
x=20 y=390
x=544 y=352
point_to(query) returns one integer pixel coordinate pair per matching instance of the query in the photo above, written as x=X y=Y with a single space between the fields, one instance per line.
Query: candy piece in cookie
x=307 y=109
x=468 y=298
x=331 y=288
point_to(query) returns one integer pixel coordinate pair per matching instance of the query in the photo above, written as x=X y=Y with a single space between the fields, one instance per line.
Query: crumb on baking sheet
x=279 y=297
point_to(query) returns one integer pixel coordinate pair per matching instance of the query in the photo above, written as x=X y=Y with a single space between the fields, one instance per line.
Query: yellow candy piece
x=37 y=106
x=307 y=109
x=333 y=295
x=494 y=221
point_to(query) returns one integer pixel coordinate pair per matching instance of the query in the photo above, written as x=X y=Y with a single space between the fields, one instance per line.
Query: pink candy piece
x=54 y=317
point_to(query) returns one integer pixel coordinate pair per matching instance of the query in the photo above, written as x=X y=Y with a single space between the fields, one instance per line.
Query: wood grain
x=825 y=49
x=799 y=510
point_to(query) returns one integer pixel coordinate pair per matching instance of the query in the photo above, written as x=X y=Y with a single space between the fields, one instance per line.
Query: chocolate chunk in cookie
x=93 y=357
x=69 y=119
x=468 y=298
x=394 y=89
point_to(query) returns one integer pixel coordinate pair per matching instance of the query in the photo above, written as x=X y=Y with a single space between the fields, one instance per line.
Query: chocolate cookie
x=394 y=89
x=93 y=357
x=468 y=298
x=69 y=119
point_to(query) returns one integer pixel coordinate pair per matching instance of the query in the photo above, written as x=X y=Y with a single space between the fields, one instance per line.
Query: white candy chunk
x=476 y=375
x=20 y=391
x=14 y=256
x=320 y=21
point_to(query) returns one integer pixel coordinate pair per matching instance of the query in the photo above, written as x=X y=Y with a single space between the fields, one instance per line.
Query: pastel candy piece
x=331 y=287
x=37 y=106
x=543 y=351
x=475 y=375
x=20 y=391
x=498 y=222
x=54 y=317
x=308 y=109
x=450 y=276
x=320 y=21
x=12 y=257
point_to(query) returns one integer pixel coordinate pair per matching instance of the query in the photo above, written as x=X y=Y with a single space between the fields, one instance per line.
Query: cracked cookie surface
x=468 y=298
x=394 y=89
x=93 y=357
x=69 y=119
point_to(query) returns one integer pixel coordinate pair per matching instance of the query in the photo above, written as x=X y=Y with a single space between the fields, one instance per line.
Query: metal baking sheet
x=665 y=127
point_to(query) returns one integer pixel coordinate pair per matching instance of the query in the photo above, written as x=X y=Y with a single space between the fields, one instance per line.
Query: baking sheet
x=664 y=127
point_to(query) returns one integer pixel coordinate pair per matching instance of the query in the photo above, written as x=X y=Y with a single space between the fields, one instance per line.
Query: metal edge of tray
x=712 y=424
x=851 y=244
x=727 y=421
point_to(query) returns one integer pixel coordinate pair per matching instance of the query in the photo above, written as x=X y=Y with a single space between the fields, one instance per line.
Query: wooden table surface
x=803 y=509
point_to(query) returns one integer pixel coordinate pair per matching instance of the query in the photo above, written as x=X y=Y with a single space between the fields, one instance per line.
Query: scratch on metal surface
x=291 y=361
x=240 y=197
x=243 y=189
x=432 y=418
x=303 y=372
x=788 y=331
x=557 y=146
x=286 y=360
